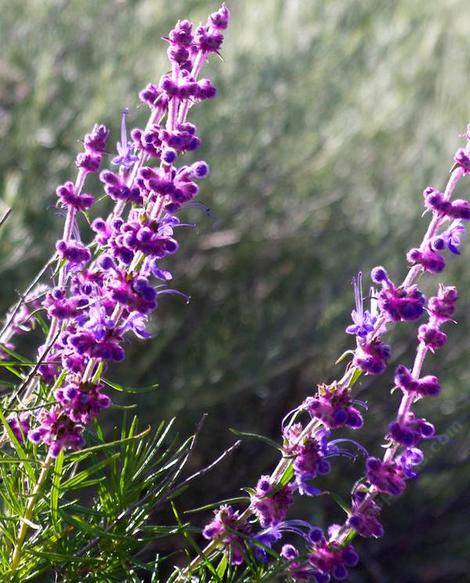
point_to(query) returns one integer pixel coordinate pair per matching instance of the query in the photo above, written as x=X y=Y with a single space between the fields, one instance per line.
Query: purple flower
x=205 y=90
x=363 y=321
x=272 y=534
x=399 y=304
x=88 y=162
x=409 y=458
x=462 y=160
x=365 y=512
x=271 y=503
x=329 y=559
x=309 y=453
x=442 y=306
x=95 y=142
x=411 y=430
x=435 y=200
x=182 y=34
x=219 y=20
x=136 y=323
x=390 y=477
x=208 y=40
x=334 y=406
x=372 y=356
x=117 y=189
x=424 y=386
x=69 y=197
x=450 y=238
x=460 y=209
x=151 y=95
x=224 y=529
x=428 y=258
x=387 y=477
x=57 y=431
x=19 y=424
x=82 y=402
x=61 y=307
x=97 y=321
x=431 y=336
x=75 y=253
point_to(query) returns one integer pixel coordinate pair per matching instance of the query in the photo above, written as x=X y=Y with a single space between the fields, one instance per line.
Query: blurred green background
x=331 y=119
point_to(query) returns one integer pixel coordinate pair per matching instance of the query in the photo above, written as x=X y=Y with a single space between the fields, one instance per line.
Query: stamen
x=357 y=283
x=175 y=292
x=123 y=144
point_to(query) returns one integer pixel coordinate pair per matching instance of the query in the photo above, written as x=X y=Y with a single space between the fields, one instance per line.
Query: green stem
x=23 y=530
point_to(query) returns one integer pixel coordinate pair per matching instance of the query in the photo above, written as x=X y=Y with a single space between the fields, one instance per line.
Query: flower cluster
x=398 y=304
x=441 y=308
x=364 y=515
x=388 y=476
x=309 y=452
x=228 y=529
x=429 y=255
x=271 y=503
x=335 y=407
x=306 y=448
x=57 y=431
x=325 y=559
x=109 y=287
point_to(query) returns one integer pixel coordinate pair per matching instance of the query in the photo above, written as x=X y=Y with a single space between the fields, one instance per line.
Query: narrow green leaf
x=14 y=460
x=55 y=489
x=287 y=475
x=355 y=377
x=79 y=478
x=19 y=449
x=57 y=557
x=344 y=355
x=78 y=508
x=42 y=323
x=98 y=372
x=102 y=446
x=238 y=500
x=11 y=368
x=350 y=537
x=341 y=503
x=130 y=390
x=262 y=438
x=21 y=359
x=93 y=530
x=222 y=566
x=8 y=363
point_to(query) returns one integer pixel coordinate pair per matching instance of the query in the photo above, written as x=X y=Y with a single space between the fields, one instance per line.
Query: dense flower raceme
x=388 y=476
x=306 y=448
x=110 y=287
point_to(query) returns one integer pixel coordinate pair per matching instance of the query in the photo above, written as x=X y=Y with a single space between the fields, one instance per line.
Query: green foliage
x=86 y=536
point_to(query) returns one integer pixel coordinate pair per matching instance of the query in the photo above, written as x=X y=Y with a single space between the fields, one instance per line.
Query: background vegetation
x=331 y=119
